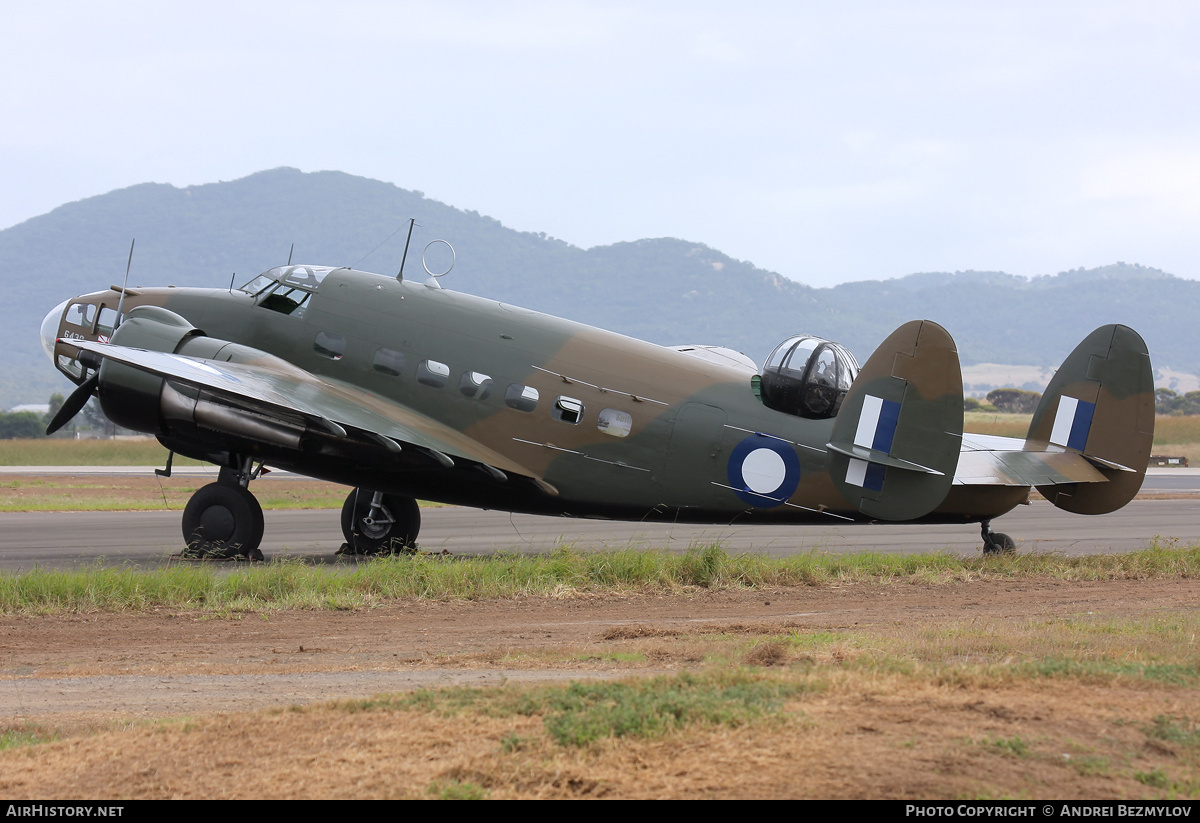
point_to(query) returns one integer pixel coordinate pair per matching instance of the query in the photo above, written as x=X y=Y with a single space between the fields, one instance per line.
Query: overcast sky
x=825 y=141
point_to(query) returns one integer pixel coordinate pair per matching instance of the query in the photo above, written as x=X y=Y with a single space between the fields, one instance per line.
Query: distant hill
x=665 y=290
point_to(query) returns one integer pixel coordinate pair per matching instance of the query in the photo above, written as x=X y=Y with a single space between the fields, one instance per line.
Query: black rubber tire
x=222 y=520
x=1000 y=543
x=365 y=539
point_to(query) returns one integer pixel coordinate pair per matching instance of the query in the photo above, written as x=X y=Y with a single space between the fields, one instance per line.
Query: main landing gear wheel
x=996 y=542
x=222 y=521
x=378 y=523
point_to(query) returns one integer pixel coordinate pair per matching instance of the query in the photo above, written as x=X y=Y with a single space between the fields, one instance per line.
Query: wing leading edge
x=327 y=404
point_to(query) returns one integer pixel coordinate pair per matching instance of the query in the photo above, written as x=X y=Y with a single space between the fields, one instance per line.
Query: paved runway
x=69 y=539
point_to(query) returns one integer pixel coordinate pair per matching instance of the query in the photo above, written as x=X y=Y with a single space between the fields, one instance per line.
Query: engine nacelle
x=129 y=397
x=145 y=402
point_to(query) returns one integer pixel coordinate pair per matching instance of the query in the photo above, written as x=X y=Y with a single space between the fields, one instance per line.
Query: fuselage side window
x=433 y=373
x=567 y=409
x=81 y=314
x=474 y=384
x=614 y=422
x=108 y=321
x=520 y=397
x=389 y=362
x=330 y=345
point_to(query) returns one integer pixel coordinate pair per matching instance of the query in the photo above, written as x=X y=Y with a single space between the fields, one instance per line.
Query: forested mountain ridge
x=665 y=290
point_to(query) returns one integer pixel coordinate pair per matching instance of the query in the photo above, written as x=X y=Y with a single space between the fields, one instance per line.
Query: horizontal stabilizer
x=896 y=440
x=988 y=460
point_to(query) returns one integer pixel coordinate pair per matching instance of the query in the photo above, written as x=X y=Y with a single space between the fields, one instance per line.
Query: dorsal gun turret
x=808 y=376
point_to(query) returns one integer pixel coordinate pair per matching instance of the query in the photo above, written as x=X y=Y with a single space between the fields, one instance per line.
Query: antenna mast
x=411 y=222
x=124 y=286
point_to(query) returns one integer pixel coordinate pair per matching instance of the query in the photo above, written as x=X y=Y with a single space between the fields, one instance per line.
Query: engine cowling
x=129 y=397
x=145 y=402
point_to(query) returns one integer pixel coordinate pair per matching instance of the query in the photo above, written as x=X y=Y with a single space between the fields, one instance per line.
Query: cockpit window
x=256 y=285
x=307 y=278
x=285 y=300
x=807 y=376
x=81 y=314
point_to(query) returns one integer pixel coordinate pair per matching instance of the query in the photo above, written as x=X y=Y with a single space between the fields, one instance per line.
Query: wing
x=281 y=392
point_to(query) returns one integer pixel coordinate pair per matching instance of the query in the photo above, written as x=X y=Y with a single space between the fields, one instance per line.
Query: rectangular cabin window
x=568 y=410
x=81 y=314
x=330 y=345
x=108 y=321
x=615 y=423
x=388 y=362
x=433 y=373
x=474 y=384
x=521 y=398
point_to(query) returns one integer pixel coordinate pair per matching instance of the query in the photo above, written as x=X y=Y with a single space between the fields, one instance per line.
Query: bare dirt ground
x=97 y=679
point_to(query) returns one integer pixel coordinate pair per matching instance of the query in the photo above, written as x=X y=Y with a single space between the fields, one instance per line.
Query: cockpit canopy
x=808 y=377
x=286 y=289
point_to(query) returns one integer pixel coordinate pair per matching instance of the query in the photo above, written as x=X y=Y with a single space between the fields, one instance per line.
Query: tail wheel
x=999 y=543
x=222 y=521
x=377 y=523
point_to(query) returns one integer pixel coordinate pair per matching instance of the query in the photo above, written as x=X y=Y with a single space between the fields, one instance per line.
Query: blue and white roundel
x=764 y=471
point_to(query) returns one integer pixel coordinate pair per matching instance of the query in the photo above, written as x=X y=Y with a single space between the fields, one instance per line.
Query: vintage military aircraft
x=404 y=389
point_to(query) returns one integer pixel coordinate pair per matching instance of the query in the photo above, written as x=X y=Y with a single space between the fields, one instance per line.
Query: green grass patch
x=293 y=585
x=455 y=790
x=1179 y=730
x=1012 y=747
x=28 y=734
x=1173 y=674
x=137 y=451
x=1155 y=778
x=585 y=713
x=582 y=714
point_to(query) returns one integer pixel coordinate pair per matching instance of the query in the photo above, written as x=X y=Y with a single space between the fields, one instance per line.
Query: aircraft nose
x=50 y=328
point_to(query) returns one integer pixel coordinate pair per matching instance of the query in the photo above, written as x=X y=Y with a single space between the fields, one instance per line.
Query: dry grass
x=127 y=451
x=920 y=710
x=151 y=493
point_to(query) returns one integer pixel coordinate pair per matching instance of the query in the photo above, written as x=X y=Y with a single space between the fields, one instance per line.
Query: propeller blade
x=75 y=402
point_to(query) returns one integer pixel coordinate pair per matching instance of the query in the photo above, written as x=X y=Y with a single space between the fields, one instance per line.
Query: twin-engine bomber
x=406 y=390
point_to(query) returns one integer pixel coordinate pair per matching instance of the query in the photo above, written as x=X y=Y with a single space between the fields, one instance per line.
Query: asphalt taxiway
x=72 y=539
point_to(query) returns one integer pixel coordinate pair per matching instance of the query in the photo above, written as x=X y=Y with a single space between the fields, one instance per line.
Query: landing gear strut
x=378 y=523
x=996 y=542
x=223 y=520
